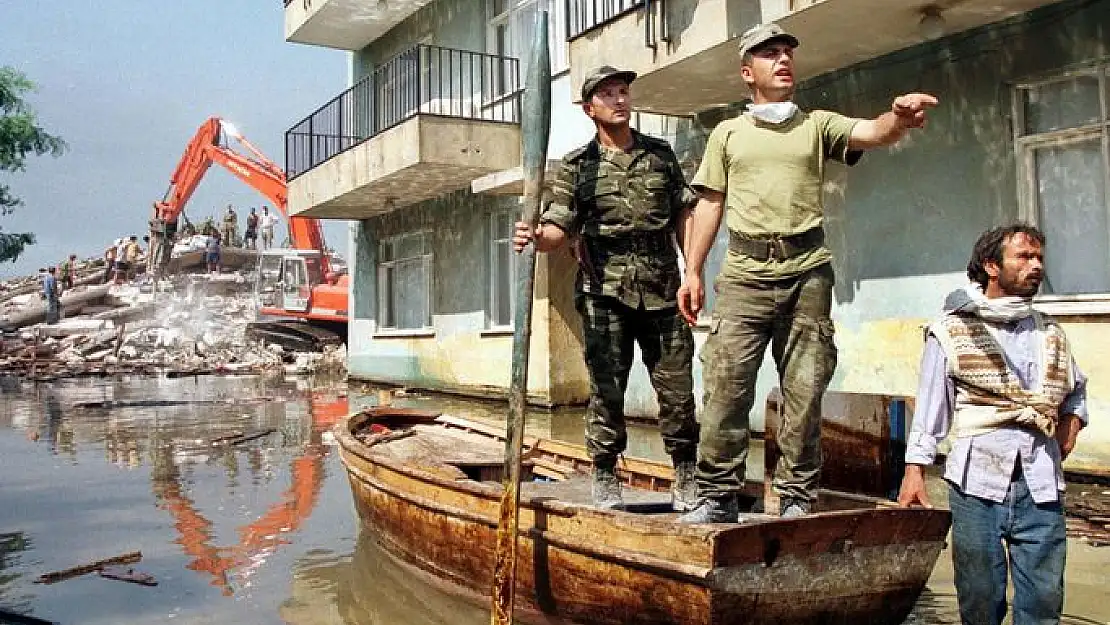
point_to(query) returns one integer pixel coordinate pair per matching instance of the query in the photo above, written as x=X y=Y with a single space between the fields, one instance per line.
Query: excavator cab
x=286 y=279
x=289 y=291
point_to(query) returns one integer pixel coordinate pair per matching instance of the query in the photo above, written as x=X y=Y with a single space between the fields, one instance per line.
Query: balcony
x=685 y=50
x=424 y=123
x=344 y=24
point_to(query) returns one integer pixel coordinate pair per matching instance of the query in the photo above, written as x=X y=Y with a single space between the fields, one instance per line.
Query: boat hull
x=584 y=565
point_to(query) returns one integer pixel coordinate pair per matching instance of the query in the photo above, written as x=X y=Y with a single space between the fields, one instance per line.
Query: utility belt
x=776 y=247
x=642 y=244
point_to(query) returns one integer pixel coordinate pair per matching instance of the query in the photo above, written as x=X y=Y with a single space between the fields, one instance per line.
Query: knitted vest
x=989 y=395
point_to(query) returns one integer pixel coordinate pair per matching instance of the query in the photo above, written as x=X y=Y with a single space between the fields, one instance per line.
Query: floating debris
x=91 y=567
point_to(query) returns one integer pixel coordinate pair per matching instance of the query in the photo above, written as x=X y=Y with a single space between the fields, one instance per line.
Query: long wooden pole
x=535 y=129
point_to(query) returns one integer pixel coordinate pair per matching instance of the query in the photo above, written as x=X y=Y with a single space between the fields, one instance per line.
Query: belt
x=776 y=247
x=639 y=244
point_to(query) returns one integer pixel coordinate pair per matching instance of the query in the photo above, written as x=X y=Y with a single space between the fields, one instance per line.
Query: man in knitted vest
x=1000 y=378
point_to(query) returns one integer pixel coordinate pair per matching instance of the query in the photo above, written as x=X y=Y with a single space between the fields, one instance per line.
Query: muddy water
x=263 y=532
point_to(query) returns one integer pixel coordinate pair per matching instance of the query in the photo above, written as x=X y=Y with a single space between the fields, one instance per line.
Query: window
x=510 y=31
x=1061 y=127
x=501 y=270
x=405 y=282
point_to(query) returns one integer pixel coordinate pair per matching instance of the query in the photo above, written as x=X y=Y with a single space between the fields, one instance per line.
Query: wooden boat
x=429 y=489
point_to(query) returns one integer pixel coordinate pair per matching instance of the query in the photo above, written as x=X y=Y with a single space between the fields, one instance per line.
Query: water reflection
x=263 y=532
x=12 y=546
x=230 y=566
x=371 y=588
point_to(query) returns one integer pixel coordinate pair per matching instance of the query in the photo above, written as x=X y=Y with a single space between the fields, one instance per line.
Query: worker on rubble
x=122 y=268
x=51 y=293
x=212 y=253
x=250 y=237
x=110 y=261
x=230 y=228
x=69 y=272
x=266 y=226
x=134 y=252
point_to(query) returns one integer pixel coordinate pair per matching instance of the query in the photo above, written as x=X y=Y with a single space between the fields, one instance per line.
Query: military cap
x=763 y=33
x=594 y=78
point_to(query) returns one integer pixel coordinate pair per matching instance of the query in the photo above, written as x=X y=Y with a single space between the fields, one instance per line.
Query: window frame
x=386 y=289
x=557 y=31
x=493 y=269
x=1025 y=149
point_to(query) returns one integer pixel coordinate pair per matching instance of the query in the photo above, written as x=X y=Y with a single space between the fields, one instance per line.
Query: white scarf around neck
x=999 y=309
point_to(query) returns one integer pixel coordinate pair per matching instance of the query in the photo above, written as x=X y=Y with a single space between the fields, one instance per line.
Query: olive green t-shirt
x=772 y=178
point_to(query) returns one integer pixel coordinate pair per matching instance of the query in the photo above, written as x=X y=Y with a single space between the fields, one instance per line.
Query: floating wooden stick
x=239 y=439
x=91 y=567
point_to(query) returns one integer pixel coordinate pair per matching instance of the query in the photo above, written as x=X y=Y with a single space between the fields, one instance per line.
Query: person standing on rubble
x=51 y=294
x=69 y=272
x=250 y=237
x=212 y=253
x=122 y=268
x=110 y=261
x=620 y=198
x=266 y=225
x=134 y=252
x=230 y=228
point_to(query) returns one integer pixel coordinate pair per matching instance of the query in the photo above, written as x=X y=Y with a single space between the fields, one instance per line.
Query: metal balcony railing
x=585 y=15
x=423 y=80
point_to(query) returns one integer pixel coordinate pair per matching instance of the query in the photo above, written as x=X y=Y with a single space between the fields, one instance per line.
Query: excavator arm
x=209 y=145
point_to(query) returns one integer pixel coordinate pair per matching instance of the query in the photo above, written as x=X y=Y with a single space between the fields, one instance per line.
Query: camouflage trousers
x=792 y=316
x=610 y=330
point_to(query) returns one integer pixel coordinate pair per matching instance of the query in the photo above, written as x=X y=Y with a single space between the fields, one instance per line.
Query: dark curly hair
x=989 y=248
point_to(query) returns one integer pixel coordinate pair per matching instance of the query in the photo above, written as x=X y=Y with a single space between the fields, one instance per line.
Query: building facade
x=422 y=155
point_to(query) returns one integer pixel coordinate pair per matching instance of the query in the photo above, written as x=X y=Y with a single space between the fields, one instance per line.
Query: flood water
x=262 y=532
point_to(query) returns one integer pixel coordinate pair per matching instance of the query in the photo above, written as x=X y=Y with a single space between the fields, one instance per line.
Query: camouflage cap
x=594 y=78
x=761 y=34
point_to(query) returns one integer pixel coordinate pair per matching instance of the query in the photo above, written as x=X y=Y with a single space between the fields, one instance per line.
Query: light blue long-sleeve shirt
x=982 y=465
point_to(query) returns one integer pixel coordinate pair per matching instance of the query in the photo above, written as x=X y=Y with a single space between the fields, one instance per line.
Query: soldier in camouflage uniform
x=618 y=200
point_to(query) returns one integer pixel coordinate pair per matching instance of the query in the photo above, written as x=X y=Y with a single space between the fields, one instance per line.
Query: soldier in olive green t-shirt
x=764 y=171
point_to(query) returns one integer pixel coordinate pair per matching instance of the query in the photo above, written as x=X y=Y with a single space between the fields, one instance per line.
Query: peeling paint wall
x=903 y=221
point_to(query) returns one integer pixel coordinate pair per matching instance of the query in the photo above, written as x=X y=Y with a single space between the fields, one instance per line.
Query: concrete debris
x=194 y=325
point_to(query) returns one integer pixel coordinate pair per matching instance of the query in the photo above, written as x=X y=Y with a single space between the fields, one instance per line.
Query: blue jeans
x=1035 y=536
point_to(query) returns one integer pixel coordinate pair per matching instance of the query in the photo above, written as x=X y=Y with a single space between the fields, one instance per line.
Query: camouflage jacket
x=623 y=207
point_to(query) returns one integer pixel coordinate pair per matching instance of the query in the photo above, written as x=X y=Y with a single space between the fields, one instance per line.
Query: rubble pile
x=190 y=327
x=22 y=289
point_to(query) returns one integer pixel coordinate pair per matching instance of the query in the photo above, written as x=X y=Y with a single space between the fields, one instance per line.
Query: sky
x=126 y=83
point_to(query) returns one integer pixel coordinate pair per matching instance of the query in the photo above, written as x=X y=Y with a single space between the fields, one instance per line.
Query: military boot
x=684 y=491
x=713 y=510
x=606 y=487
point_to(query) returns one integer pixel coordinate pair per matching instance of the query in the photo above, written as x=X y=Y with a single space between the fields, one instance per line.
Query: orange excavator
x=301 y=299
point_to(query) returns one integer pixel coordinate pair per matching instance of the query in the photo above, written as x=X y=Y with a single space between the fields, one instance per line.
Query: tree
x=20 y=136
